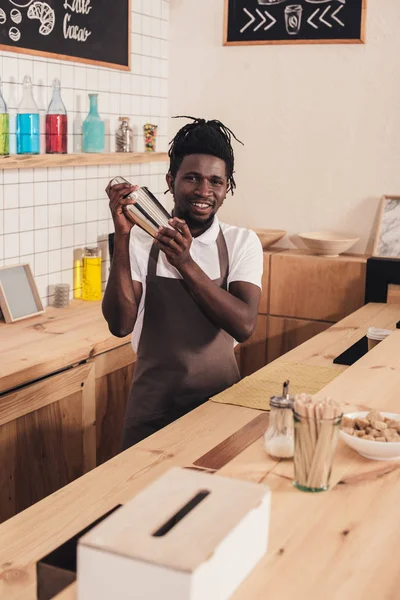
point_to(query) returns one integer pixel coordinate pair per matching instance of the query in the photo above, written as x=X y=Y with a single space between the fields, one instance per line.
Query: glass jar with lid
x=124 y=136
x=279 y=437
x=91 y=273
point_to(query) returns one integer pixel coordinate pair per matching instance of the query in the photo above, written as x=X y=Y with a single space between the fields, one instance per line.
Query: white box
x=204 y=556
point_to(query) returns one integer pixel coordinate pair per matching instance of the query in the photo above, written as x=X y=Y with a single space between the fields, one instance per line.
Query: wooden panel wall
x=304 y=286
x=284 y=334
x=42 y=432
x=253 y=353
x=114 y=373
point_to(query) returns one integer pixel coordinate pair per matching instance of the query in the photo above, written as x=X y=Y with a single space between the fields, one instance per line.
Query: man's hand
x=175 y=243
x=118 y=200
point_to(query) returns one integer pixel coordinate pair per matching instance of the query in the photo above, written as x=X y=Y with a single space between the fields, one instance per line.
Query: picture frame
x=19 y=296
x=387 y=238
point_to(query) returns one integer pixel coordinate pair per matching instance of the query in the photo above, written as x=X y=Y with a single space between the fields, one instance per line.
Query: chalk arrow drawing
x=272 y=23
x=263 y=18
x=333 y=15
x=252 y=19
x=323 y=15
x=316 y=16
x=310 y=20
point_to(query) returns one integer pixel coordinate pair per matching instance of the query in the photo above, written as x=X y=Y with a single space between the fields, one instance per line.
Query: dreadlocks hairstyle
x=203 y=137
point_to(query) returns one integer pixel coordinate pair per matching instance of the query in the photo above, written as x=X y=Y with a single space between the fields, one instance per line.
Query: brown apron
x=183 y=358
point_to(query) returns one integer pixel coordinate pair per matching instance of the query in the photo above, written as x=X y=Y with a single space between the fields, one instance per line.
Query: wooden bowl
x=328 y=243
x=268 y=237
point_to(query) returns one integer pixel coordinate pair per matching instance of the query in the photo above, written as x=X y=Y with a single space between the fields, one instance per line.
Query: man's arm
x=122 y=296
x=234 y=311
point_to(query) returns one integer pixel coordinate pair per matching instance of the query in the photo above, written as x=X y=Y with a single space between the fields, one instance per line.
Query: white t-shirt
x=244 y=250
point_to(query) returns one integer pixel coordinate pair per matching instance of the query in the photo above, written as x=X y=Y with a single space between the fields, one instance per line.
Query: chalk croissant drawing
x=45 y=14
x=16 y=16
x=3 y=17
x=14 y=34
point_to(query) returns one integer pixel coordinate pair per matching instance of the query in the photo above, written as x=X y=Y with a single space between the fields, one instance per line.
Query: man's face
x=199 y=188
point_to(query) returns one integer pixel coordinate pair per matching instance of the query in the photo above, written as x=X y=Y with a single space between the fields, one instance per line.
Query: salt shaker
x=279 y=437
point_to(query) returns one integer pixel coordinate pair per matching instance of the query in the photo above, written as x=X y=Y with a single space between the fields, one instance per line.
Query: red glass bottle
x=56 y=123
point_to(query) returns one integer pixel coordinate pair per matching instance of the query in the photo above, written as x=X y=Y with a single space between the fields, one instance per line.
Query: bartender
x=188 y=295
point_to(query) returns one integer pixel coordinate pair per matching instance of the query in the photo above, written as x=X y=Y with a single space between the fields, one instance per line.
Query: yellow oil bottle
x=91 y=274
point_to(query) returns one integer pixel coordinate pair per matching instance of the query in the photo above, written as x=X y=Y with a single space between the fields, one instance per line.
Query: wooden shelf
x=46 y=161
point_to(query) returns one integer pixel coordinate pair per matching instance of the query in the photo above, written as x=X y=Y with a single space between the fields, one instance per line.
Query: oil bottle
x=91 y=273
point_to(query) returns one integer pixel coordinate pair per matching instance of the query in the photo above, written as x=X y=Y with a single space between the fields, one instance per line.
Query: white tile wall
x=46 y=213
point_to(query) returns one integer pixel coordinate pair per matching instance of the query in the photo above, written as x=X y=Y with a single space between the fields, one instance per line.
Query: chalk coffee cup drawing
x=374 y=336
x=293 y=14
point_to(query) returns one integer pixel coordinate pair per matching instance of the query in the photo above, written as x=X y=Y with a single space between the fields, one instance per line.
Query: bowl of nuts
x=374 y=435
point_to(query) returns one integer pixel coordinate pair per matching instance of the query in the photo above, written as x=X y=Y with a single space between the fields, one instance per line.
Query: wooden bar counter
x=64 y=380
x=341 y=544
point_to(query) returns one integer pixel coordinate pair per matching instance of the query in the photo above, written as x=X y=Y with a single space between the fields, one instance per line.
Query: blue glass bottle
x=93 y=133
x=28 y=122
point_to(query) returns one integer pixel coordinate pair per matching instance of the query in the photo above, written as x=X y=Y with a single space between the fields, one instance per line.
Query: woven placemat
x=256 y=390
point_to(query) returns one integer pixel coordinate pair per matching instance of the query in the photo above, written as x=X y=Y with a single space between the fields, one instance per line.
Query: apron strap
x=153 y=259
x=223 y=259
x=222 y=255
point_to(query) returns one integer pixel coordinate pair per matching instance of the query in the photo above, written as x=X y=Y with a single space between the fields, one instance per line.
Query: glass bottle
x=279 y=437
x=91 y=273
x=28 y=122
x=93 y=132
x=4 y=127
x=56 y=123
x=124 y=136
x=78 y=258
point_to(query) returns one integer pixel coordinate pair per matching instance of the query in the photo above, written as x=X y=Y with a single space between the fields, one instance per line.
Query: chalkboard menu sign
x=92 y=31
x=250 y=22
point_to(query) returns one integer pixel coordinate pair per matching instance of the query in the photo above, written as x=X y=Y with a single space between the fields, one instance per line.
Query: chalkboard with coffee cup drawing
x=90 y=31
x=256 y=22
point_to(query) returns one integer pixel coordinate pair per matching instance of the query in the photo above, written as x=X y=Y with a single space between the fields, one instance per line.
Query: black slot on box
x=57 y=570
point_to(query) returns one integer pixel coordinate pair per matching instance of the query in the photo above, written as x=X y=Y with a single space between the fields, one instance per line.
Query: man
x=188 y=294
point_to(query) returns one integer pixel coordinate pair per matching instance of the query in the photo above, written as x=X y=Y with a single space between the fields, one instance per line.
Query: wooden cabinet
x=253 y=353
x=46 y=437
x=305 y=286
x=56 y=426
x=114 y=373
x=284 y=334
x=302 y=295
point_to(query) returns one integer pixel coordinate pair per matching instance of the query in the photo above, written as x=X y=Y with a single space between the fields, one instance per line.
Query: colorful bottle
x=78 y=257
x=56 y=123
x=93 y=133
x=28 y=122
x=4 y=127
x=91 y=274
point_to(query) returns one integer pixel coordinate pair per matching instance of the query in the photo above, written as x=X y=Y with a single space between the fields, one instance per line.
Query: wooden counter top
x=36 y=347
x=340 y=544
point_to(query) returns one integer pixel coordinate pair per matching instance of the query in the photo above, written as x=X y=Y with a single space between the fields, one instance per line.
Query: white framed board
x=19 y=297
x=387 y=240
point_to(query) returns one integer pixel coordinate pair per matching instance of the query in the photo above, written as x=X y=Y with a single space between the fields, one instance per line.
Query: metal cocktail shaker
x=147 y=212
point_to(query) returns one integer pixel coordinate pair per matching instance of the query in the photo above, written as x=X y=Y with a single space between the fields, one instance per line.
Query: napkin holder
x=188 y=536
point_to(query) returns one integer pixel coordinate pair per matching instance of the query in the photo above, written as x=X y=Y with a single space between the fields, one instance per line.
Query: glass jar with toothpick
x=316 y=426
